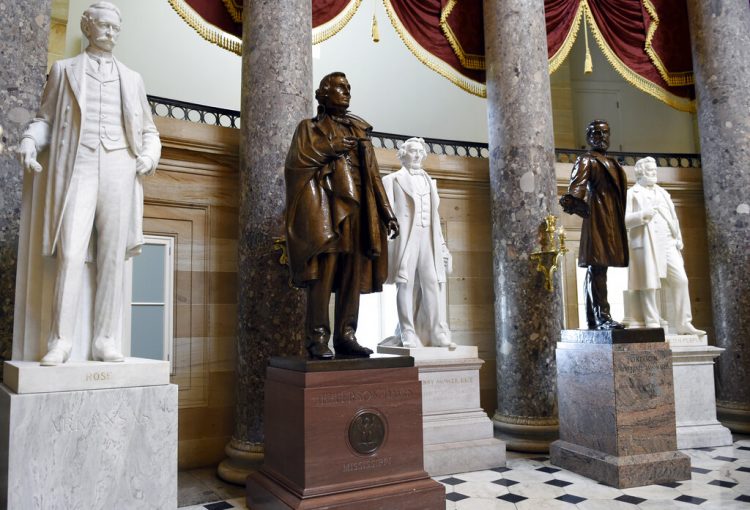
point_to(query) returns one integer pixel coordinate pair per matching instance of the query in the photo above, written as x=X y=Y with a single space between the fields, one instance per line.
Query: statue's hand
x=27 y=155
x=680 y=246
x=144 y=166
x=648 y=214
x=342 y=144
x=393 y=228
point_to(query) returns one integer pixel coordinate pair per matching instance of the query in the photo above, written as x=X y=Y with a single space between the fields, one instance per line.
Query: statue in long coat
x=337 y=218
x=597 y=192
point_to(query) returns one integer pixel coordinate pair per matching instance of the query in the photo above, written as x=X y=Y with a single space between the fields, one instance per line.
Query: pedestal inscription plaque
x=343 y=439
x=616 y=405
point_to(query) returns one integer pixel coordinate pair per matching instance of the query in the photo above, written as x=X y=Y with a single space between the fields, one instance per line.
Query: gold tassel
x=375 y=30
x=588 y=64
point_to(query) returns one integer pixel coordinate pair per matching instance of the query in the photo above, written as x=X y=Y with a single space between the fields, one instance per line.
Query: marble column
x=720 y=40
x=24 y=29
x=528 y=318
x=276 y=96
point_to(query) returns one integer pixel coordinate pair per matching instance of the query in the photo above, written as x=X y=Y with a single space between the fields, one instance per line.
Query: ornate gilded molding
x=209 y=32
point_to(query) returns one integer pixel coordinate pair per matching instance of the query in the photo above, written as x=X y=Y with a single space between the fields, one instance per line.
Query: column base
x=623 y=471
x=534 y=435
x=242 y=459
x=734 y=415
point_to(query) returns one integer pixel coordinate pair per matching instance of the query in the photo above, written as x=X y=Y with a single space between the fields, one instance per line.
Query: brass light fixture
x=552 y=249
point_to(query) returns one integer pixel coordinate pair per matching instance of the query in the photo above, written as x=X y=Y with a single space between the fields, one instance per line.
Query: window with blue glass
x=151 y=317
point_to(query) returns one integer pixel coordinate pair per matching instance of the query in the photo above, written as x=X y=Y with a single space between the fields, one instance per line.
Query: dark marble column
x=720 y=37
x=276 y=95
x=522 y=187
x=24 y=29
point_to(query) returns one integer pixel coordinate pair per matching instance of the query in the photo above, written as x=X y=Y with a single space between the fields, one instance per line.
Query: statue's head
x=334 y=93
x=597 y=134
x=645 y=171
x=100 y=24
x=412 y=152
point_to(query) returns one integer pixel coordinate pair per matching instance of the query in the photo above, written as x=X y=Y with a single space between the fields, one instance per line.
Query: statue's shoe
x=689 y=329
x=609 y=324
x=410 y=339
x=56 y=356
x=319 y=350
x=350 y=347
x=104 y=349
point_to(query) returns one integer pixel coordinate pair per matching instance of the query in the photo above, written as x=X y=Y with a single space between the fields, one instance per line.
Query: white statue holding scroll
x=655 y=250
x=96 y=138
x=418 y=260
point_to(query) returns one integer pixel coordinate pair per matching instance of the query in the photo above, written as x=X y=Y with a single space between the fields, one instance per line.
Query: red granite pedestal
x=343 y=434
x=616 y=407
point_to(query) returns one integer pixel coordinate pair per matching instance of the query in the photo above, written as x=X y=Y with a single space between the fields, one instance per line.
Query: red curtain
x=647 y=41
x=226 y=16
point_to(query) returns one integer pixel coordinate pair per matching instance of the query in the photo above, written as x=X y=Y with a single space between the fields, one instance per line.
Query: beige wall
x=193 y=197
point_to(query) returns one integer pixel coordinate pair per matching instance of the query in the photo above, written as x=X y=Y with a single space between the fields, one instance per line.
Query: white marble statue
x=418 y=259
x=96 y=138
x=655 y=250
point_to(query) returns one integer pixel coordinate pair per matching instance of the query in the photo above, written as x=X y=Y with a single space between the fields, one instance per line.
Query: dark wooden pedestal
x=343 y=434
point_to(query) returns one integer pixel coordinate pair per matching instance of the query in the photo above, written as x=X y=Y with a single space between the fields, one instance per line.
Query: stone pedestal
x=458 y=435
x=343 y=434
x=695 y=400
x=88 y=448
x=616 y=404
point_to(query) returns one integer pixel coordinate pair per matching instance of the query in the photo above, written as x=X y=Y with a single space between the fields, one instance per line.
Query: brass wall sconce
x=548 y=258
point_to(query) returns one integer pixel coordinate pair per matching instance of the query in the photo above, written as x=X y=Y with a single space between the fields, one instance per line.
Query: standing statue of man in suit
x=655 y=249
x=597 y=191
x=337 y=218
x=418 y=258
x=95 y=131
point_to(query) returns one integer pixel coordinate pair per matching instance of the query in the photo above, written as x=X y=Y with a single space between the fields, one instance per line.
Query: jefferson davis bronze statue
x=337 y=218
x=597 y=192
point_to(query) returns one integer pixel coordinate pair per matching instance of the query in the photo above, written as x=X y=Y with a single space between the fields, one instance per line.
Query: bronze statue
x=337 y=218
x=597 y=192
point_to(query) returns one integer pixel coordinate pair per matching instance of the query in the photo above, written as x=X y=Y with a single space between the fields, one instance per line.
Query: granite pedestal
x=85 y=447
x=458 y=435
x=695 y=399
x=616 y=408
x=343 y=434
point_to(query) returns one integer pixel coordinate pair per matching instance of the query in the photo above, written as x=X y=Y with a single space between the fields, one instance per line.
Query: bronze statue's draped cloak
x=322 y=198
x=598 y=185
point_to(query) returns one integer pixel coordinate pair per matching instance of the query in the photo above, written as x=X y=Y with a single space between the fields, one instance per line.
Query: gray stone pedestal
x=616 y=404
x=695 y=399
x=458 y=435
x=89 y=448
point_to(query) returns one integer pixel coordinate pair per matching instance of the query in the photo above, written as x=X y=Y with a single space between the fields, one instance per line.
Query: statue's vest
x=103 y=121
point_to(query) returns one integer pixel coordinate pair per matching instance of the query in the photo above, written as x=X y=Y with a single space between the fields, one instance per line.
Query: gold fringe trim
x=234 y=12
x=432 y=62
x=635 y=79
x=564 y=50
x=209 y=32
x=673 y=79
x=468 y=60
x=328 y=30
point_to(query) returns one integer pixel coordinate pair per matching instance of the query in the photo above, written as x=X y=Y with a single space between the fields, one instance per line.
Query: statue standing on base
x=95 y=131
x=337 y=218
x=597 y=193
x=419 y=258
x=655 y=249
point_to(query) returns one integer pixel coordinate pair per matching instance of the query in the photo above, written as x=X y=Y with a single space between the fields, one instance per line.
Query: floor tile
x=720 y=481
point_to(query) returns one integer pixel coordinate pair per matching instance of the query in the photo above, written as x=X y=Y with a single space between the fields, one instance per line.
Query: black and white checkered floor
x=720 y=480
